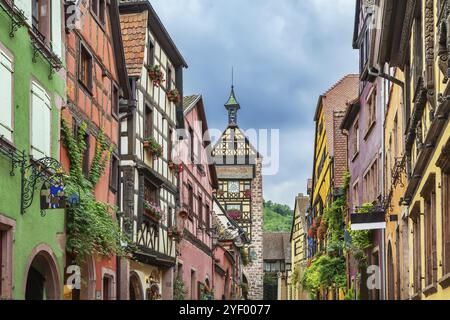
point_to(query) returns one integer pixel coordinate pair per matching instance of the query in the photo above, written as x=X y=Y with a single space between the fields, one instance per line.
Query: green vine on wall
x=91 y=227
x=179 y=291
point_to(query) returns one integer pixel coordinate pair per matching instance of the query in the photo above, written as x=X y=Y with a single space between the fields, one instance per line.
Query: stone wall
x=254 y=271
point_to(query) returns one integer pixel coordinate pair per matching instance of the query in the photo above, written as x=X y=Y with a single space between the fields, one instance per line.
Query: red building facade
x=96 y=81
x=197 y=182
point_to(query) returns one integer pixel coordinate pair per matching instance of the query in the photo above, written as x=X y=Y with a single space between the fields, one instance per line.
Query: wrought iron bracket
x=41 y=47
x=16 y=15
x=17 y=158
x=46 y=171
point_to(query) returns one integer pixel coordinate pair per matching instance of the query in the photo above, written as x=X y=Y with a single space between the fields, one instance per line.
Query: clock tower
x=239 y=166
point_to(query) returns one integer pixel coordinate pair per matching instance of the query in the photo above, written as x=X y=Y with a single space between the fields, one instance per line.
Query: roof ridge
x=350 y=75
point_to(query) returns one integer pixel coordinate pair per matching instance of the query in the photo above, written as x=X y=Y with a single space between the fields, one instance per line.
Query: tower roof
x=232 y=101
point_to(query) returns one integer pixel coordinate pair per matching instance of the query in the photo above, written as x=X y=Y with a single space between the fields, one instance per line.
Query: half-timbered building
x=239 y=171
x=96 y=82
x=147 y=132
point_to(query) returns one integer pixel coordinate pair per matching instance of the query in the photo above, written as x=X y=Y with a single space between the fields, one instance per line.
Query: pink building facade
x=197 y=182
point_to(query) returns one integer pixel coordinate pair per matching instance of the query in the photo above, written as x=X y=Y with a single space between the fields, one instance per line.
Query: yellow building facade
x=298 y=249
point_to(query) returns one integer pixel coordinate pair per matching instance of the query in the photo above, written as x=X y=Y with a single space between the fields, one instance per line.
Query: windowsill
x=85 y=88
x=444 y=282
x=9 y=144
x=355 y=156
x=369 y=130
x=431 y=289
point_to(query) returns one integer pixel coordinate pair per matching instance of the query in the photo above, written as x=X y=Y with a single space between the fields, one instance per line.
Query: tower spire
x=232 y=105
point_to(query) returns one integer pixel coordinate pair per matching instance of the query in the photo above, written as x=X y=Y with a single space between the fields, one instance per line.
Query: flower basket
x=153 y=211
x=235 y=214
x=248 y=194
x=153 y=147
x=156 y=75
x=175 y=234
x=311 y=233
x=174 y=96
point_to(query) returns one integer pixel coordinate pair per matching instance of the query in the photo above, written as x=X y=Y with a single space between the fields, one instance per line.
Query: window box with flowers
x=156 y=75
x=174 y=96
x=175 y=168
x=151 y=145
x=235 y=214
x=175 y=234
x=248 y=194
x=153 y=211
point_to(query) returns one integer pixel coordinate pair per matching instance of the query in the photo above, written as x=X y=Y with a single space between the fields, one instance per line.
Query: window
x=298 y=248
x=355 y=138
x=98 y=9
x=85 y=72
x=418 y=44
x=200 y=210
x=114 y=173
x=431 y=267
x=170 y=144
x=446 y=222
x=148 y=121
x=233 y=187
x=169 y=78
x=115 y=100
x=190 y=198
x=417 y=256
x=151 y=53
x=41 y=112
x=41 y=12
x=6 y=95
x=192 y=147
x=371 y=183
x=355 y=196
x=207 y=217
x=108 y=285
x=150 y=192
x=371 y=110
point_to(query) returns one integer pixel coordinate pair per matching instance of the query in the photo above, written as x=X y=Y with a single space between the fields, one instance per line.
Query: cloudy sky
x=285 y=54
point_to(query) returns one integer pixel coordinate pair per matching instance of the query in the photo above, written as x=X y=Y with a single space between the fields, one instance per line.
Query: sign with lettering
x=235 y=172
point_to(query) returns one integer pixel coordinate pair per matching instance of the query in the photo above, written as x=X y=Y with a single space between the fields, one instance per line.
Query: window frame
x=115 y=100
x=99 y=13
x=114 y=173
x=90 y=65
x=9 y=56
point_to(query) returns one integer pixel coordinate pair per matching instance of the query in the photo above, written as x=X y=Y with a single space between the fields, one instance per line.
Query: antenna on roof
x=232 y=76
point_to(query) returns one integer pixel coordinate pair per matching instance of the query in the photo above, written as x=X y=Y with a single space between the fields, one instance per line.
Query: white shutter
x=41 y=123
x=25 y=5
x=56 y=27
x=6 y=96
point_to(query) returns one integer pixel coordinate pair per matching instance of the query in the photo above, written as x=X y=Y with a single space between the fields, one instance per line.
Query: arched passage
x=136 y=292
x=42 y=278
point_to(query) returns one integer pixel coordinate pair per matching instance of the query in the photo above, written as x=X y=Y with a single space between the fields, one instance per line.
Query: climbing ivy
x=361 y=240
x=179 y=291
x=91 y=227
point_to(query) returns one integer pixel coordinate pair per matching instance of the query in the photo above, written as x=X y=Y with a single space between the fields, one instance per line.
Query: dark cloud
x=285 y=54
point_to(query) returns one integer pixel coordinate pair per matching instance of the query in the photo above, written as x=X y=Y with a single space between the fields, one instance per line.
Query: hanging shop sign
x=368 y=221
x=53 y=197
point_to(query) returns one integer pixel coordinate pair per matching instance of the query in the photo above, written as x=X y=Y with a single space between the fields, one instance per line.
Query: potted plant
x=156 y=75
x=153 y=146
x=176 y=168
x=153 y=211
x=174 y=96
x=248 y=194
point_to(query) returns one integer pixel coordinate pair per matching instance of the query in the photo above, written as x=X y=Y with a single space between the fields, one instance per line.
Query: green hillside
x=277 y=217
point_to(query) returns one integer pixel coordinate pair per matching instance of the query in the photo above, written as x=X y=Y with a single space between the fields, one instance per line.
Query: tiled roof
x=335 y=100
x=276 y=246
x=134 y=29
x=189 y=100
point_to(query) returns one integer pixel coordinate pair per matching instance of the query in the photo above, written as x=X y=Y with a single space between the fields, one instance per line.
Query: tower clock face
x=233 y=187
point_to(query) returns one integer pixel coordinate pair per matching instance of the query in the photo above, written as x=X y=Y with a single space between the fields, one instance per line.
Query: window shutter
x=25 y=5
x=41 y=123
x=6 y=96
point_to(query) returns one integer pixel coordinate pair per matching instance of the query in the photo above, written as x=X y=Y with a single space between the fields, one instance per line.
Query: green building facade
x=32 y=90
